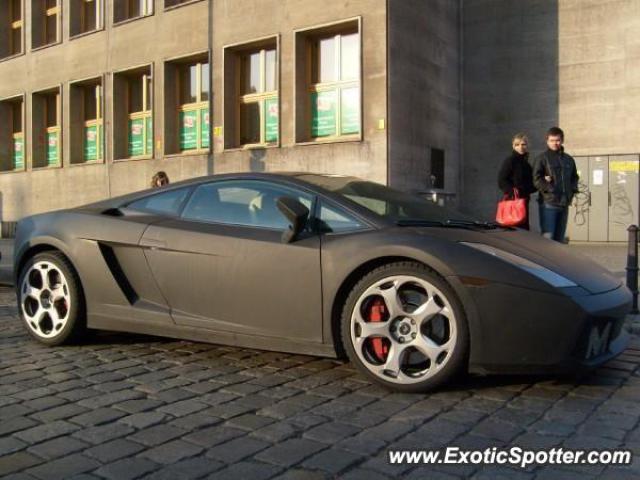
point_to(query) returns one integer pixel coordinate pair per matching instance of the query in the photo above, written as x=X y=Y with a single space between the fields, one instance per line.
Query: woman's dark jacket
x=516 y=173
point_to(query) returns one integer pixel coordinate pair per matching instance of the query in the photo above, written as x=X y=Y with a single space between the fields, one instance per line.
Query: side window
x=167 y=203
x=333 y=219
x=249 y=203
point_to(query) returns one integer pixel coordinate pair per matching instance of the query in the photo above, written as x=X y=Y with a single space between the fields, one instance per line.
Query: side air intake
x=118 y=274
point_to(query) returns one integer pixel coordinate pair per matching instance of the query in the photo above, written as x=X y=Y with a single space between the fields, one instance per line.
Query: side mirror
x=296 y=213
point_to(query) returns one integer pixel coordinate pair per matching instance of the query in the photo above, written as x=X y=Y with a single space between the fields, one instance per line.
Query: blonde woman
x=516 y=173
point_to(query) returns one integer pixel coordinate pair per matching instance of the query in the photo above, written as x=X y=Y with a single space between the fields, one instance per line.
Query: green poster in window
x=91 y=143
x=350 y=112
x=204 y=127
x=323 y=114
x=52 y=148
x=148 y=122
x=136 y=137
x=188 y=130
x=18 y=153
x=271 y=120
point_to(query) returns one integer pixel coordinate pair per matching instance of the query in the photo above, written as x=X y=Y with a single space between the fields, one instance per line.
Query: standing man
x=556 y=178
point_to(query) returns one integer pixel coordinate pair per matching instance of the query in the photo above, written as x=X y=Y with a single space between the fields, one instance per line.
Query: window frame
x=99 y=121
x=260 y=97
x=310 y=36
x=15 y=25
x=144 y=114
x=49 y=12
x=100 y=19
x=149 y=7
x=198 y=106
x=58 y=91
x=14 y=135
x=232 y=54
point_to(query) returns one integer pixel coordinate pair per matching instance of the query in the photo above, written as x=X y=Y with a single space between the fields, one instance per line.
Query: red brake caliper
x=376 y=313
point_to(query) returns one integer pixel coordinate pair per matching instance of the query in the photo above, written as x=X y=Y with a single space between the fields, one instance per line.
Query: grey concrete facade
x=424 y=89
x=531 y=65
x=458 y=76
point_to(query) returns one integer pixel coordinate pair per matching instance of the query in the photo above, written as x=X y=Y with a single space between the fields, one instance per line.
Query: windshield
x=386 y=202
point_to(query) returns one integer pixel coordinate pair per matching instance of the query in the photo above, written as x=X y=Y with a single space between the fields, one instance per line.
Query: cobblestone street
x=124 y=406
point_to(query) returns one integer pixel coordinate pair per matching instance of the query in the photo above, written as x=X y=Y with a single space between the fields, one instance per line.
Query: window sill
x=355 y=139
x=250 y=147
x=129 y=159
x=11 y=57
x=48 y=45
x=50 y=167
x=86 y=34
x=129 y=20
x=19 y=170
x=173 y=7
x=187 y=153
x=88 y=162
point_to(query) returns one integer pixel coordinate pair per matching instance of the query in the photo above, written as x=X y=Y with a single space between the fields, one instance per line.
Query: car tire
x=403 y=326
x=50 y=299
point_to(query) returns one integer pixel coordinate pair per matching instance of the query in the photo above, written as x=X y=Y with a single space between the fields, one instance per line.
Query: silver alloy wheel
x=45 y=300
x=417 y=348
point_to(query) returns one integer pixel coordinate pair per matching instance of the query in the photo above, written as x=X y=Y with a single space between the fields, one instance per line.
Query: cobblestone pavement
x=124 y=406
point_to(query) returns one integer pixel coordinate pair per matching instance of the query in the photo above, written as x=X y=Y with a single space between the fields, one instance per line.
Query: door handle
x=153 y=243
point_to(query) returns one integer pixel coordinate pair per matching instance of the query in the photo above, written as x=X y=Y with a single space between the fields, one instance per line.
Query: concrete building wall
x=599 y=75
x=511 y=84
x=148 y=40
x=531 y=65
x=242 y=21
x=424 y=89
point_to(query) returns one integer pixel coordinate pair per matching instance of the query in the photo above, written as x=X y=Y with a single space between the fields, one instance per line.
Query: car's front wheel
x=50 y=299
x=403 y=326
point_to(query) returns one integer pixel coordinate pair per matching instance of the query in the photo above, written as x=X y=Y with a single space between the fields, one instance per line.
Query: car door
x=223 y=266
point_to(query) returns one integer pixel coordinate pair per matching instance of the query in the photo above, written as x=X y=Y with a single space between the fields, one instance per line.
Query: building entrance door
x=608 y=199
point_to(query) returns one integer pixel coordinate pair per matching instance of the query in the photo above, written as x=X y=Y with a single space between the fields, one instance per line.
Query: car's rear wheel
x=51 y=300
x=403 y=326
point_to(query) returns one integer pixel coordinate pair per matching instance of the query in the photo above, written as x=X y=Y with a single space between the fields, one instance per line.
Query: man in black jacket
x=556 y=178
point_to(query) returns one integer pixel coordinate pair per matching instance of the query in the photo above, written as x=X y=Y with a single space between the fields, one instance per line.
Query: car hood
x=555 y=256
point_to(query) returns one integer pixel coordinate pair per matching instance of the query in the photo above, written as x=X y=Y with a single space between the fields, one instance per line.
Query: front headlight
x=552 y=278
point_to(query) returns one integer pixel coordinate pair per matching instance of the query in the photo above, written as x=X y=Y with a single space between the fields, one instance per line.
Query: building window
x=128 y=9
x=12 y=134
x=251 y=101
x=193 y=110
x=47 y=141
x=86 y=16
x=437 y=168
x=10 y=28
x=133 y=114
x=186 y=100
x=45 y=16
x=258 y=100
x=331 y=63
x=86 y=117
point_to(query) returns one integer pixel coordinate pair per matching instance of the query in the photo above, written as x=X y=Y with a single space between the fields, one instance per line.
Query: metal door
x=578 y=227
x=623 y=195
x=599 y=209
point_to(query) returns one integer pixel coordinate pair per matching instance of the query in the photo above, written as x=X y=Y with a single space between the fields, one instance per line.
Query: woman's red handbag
x=511 y=212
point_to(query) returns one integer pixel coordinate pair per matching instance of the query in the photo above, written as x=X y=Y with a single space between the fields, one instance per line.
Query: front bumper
x=528 y=331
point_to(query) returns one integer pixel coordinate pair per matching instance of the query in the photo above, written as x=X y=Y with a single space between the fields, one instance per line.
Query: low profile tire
x=50 y=299
x=403 y=326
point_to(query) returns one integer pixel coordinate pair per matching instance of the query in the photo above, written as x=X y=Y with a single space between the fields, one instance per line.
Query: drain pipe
x=632 y=265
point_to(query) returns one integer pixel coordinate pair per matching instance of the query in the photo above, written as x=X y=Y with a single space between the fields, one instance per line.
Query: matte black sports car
x=323 y=265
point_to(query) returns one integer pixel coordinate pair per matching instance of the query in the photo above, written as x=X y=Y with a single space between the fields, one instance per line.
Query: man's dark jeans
x=553 y=222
